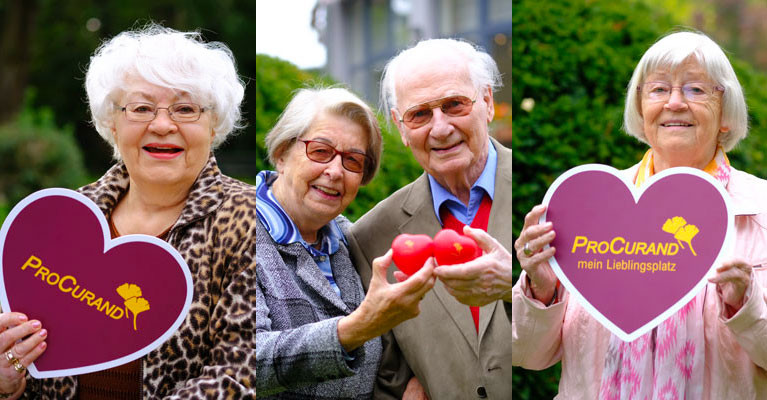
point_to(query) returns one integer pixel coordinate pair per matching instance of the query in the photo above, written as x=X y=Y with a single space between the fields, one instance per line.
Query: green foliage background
x=58 y=144
x=35 y=154
x=574 y=58
x=276 y=81
x=61 y=47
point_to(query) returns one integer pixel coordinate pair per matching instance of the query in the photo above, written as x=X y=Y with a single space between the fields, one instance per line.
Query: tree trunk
x=15 y=42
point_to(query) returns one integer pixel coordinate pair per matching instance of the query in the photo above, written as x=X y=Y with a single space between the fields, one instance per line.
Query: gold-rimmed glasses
x=453 y=106
x=692 y=91
x=179 y=112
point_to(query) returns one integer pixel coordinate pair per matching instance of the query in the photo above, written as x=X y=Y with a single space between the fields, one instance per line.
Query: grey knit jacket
x=297 y=312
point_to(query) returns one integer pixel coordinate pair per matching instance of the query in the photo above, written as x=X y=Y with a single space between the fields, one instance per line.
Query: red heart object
x=411 y=252
x=450 y=248
x=104 y=302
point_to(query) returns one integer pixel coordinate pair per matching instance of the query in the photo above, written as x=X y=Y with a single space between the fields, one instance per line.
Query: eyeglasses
x=453 y=106
x=324 y=153
x=692 y=91
x=179 y=112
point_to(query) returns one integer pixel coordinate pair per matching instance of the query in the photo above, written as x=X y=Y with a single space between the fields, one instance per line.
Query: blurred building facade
x=361 y=35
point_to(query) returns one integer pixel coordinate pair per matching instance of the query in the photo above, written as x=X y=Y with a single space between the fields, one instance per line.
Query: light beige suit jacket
x=441 y=345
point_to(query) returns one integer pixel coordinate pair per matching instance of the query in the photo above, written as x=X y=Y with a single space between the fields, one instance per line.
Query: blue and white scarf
x=284 y=231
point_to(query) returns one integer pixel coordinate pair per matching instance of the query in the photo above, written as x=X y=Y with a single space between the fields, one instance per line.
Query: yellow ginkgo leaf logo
x=682 y=231
x=672 y=225
x=131 y=293
x=685 y=234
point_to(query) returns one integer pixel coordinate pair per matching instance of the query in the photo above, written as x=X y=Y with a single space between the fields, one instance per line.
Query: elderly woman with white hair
x=317 y=332
x=164 y=100
x=685 y=102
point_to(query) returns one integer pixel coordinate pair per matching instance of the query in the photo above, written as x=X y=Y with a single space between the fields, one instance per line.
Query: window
x=499 y=11
x=458 y=16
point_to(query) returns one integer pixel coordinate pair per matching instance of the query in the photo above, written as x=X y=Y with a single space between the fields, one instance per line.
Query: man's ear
x=488 y=97
x=404 y=138
x=400 y=127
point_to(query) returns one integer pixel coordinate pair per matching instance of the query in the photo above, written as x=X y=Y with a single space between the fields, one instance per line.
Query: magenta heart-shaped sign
x=104 y=302
x=633 y=256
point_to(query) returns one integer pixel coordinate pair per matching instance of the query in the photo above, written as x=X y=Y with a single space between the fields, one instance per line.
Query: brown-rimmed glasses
x=324 y=153
x=453 y=106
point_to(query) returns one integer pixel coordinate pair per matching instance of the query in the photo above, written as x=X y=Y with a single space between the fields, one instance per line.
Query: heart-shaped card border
x=725 y=250
x=109 y=243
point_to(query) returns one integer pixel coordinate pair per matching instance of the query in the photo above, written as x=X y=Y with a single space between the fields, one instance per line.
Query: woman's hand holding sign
x=18 y=352
x=732 y=280
x=533 y=259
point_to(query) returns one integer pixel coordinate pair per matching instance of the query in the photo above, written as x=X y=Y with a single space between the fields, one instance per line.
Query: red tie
x=479 y=222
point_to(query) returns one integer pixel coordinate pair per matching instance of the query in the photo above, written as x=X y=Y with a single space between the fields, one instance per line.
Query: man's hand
x=483 y=280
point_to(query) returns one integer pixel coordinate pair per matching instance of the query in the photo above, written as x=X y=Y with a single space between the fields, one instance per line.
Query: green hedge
x=574 y=58
x=35 y=154
x=277 y=80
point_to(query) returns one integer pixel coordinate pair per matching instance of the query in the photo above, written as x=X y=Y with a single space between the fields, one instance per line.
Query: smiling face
x=682 y=132
x=161 y=151
x=313 y=193
x=448 y=148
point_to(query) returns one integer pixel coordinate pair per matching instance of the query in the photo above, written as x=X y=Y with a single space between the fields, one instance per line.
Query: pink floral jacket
x=736 y=348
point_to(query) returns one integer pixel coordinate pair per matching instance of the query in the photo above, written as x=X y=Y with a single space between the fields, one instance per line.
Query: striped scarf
x=667 y=362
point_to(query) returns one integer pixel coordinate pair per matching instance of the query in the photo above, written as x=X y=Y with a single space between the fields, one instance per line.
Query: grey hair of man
x=180 y=61
x=670 y=52
x=483 y=70
x=308 y=104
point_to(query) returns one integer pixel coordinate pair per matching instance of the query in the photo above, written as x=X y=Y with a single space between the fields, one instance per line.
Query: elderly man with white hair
x=440 y=95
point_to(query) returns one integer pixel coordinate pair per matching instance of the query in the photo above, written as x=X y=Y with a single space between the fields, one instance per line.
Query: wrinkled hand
x=14 y=327
x=386 y=305
x=483 y=280
x=414 y=390
x=542 y=278
x=732 y=280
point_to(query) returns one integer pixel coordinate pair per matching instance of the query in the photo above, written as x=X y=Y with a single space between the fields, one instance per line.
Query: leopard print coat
x=212 y=355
